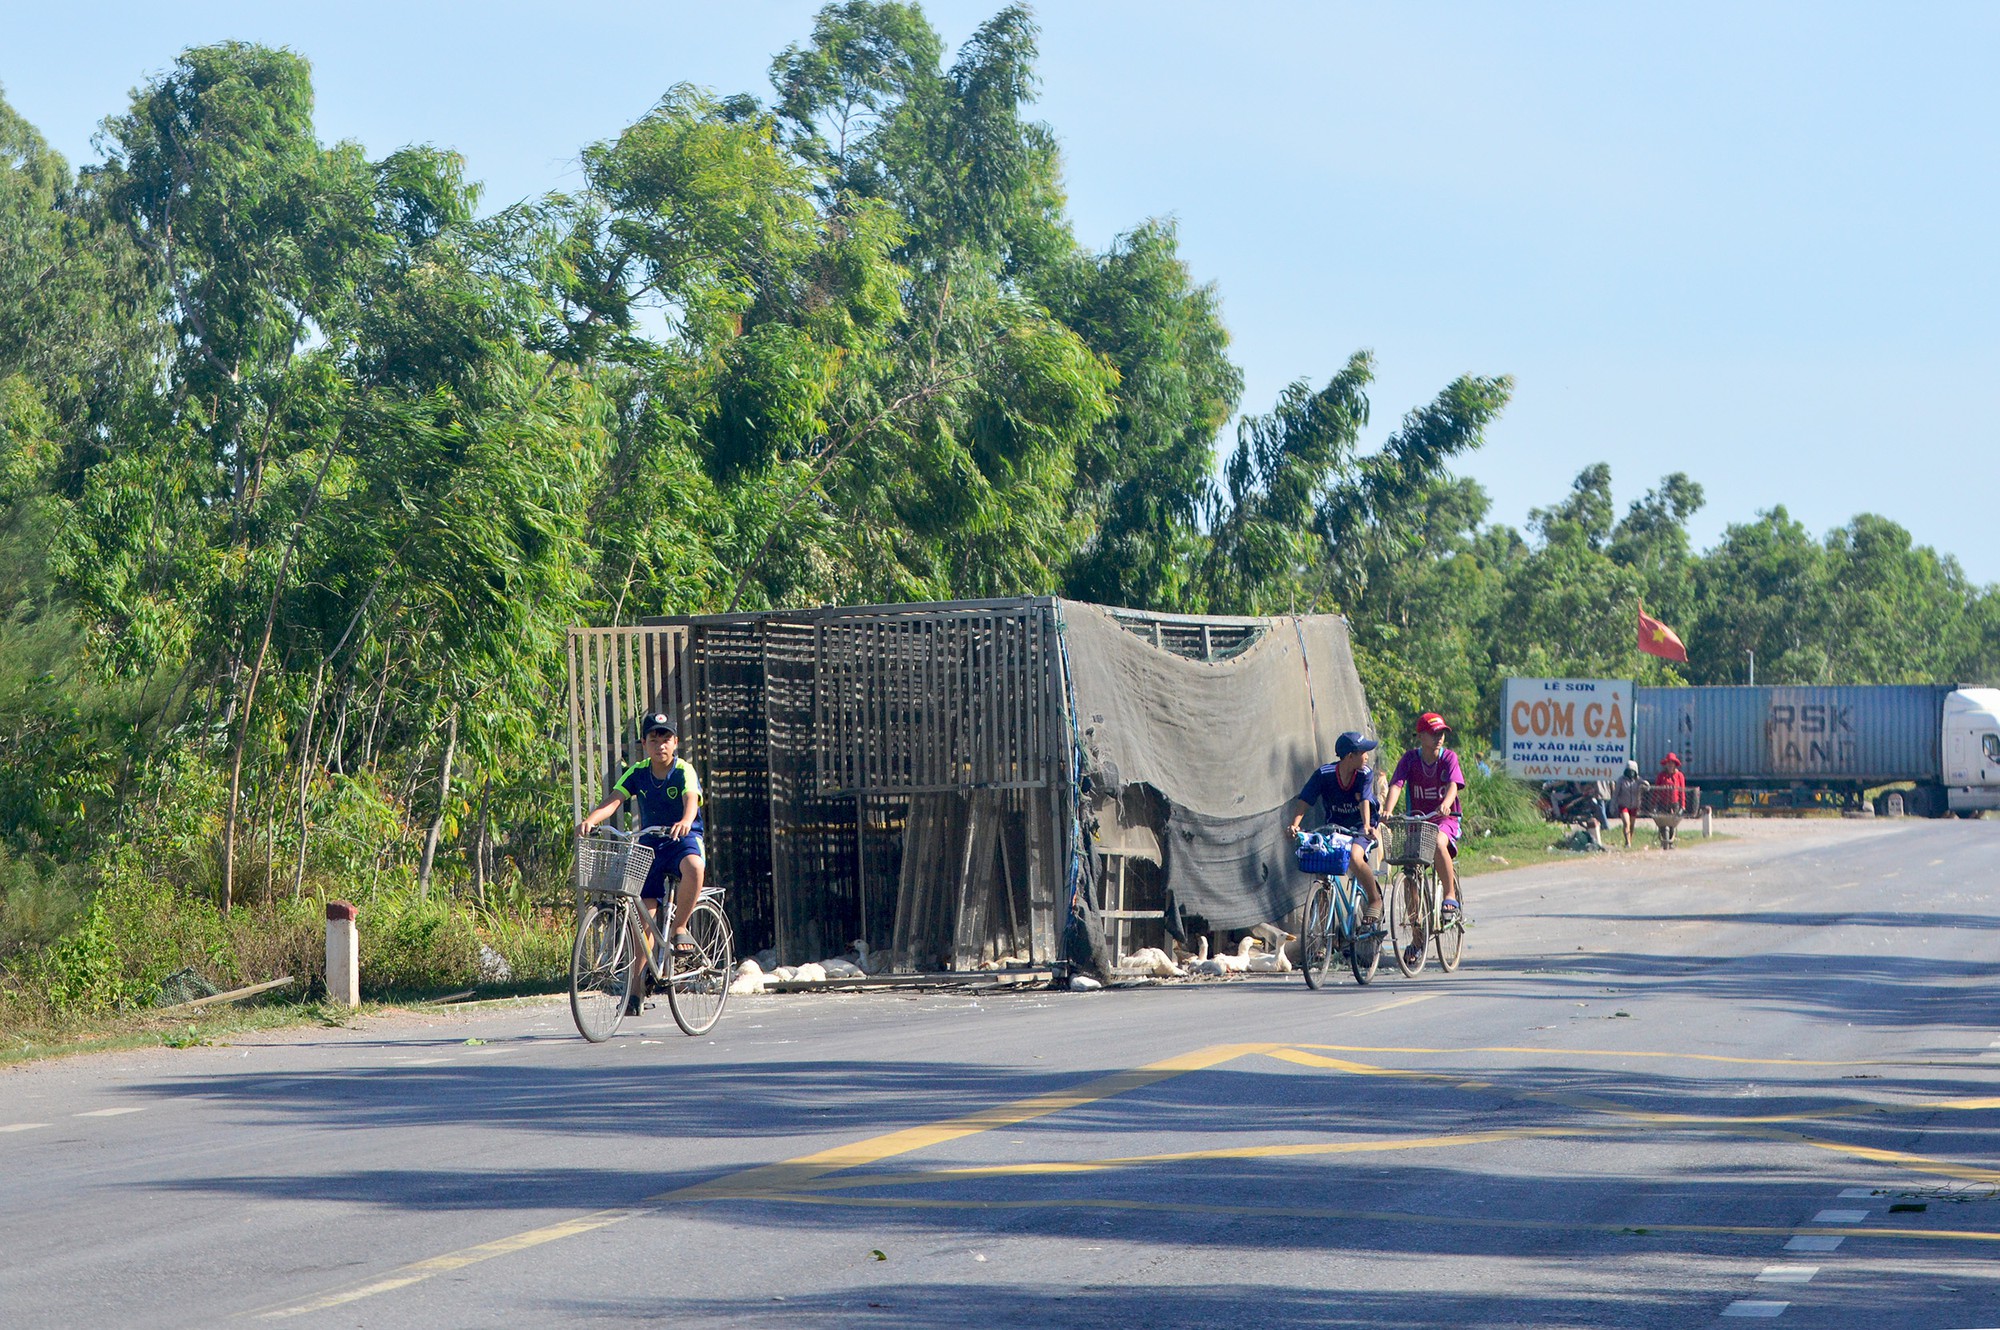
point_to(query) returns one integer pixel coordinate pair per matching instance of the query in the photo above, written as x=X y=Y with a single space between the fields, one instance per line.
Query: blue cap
x=1351 y=742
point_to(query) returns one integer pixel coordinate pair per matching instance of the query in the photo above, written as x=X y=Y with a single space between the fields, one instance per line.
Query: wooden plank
x=233 y=995
x=576 y=773
x=973 y=924
x=932 y=979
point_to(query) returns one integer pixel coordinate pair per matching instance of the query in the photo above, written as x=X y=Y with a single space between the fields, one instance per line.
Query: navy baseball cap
x=1351 y=742
x=657 y=723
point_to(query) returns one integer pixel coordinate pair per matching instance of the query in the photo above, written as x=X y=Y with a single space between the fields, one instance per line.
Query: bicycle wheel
x=1451 y=938
x=600 y=969
x=1364 y=951
x=698 y=985
x=1316 y=937
x=1414 y=905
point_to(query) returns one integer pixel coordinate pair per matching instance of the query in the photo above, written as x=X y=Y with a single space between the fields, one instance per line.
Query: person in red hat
x=1669 y=795
x=1434 y=778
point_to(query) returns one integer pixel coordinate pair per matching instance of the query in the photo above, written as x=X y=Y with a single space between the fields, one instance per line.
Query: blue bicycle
x=1334 y=927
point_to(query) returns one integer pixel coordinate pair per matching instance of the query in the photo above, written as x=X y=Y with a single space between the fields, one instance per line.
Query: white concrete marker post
x=343 y=956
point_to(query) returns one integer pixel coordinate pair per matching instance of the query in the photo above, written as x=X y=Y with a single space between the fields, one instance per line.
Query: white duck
x=1240 y=962
x=749 y=978
x=1202 y=965
x=1153 y=961
x=1271 y=962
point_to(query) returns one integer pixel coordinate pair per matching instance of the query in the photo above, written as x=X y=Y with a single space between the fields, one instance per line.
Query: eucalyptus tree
x=1303 y=508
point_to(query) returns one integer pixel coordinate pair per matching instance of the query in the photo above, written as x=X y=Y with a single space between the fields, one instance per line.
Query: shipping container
x=1842 y=736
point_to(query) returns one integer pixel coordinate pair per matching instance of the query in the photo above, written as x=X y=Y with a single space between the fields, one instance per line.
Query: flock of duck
x=860 y=961
x=1267 y=950
x=1255 y=954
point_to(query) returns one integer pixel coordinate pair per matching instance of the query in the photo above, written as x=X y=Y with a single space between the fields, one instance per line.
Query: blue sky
x=1757 y=243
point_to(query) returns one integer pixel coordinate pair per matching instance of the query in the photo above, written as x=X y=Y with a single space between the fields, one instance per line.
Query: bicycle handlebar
x=616 y=834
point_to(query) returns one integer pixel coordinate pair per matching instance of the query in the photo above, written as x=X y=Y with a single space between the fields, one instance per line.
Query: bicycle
x=620 y=945
x=1333 y=923
x=1413 y=850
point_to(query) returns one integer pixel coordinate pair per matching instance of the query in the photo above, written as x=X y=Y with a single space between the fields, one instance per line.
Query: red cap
x=1674 y=758
x=1431 y=723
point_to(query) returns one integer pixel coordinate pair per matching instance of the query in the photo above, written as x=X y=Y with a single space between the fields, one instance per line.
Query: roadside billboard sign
x=1566 y=729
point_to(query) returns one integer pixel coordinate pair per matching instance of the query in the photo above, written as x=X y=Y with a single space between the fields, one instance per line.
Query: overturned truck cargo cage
x=978 y=784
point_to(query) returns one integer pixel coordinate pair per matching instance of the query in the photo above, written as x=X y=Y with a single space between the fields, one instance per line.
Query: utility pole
x=1753 y=667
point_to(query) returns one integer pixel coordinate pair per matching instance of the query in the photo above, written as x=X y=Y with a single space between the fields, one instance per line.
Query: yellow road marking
x=1762 y=1126
x=1606 y=1053
x=792 y=1172
x=1371 y=1145
x=1177 y=1206
x=418 y=1271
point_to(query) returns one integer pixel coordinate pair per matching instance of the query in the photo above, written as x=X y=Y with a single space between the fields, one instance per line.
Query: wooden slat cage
x=891 y=774
x=895 y=774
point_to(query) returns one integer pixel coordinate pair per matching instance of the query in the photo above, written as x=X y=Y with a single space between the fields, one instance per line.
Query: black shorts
x=667 y=856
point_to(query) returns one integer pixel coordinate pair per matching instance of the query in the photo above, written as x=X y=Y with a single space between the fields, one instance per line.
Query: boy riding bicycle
x=1434 y=777
x=669 y=795
x=1344 y=789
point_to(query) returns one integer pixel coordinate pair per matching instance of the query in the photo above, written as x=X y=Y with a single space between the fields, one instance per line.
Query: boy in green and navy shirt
x=669 y=796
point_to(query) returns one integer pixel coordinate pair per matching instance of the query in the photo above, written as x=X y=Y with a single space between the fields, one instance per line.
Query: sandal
x=1413 y=953
x=1448 y=910
x=683 y=943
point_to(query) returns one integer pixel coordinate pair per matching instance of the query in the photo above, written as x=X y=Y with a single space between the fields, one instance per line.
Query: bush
x=39 y=902
x=412 y=943
x=1499 y=803
x=135 y=931
x=536 y=943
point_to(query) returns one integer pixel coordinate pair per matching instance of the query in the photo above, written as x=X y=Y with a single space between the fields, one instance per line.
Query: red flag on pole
x=1656 y=639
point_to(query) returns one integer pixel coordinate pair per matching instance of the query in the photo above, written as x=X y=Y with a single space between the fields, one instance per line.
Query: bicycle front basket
x=1412 y=841
x=638 y=863
x=1320 y=856
x=603 y=866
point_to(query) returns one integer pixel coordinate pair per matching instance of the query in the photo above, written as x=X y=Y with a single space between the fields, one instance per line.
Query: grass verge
x=1524 y=847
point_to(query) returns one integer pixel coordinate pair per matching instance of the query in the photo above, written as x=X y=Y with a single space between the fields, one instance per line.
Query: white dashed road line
x=22 y=1126
x=1753 y=1307
x=1840 y=1217
x=111 y=1112
x=1788 y=1274
x=1814 y=1244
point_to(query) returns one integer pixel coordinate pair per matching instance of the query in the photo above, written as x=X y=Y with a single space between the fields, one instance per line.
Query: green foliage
x=410 y=943
x=306 y=468
x=39 y=901
x=1497 y=803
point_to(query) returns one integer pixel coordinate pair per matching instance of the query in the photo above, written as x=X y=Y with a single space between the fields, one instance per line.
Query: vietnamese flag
x=1656 y=639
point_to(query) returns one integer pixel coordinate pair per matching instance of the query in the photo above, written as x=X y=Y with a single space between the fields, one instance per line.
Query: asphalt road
x=1758 y=1078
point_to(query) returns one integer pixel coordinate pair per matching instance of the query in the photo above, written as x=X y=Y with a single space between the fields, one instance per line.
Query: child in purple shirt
x=1434 y=777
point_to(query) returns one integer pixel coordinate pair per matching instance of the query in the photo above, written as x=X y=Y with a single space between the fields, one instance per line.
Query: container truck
x=1829 y=744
